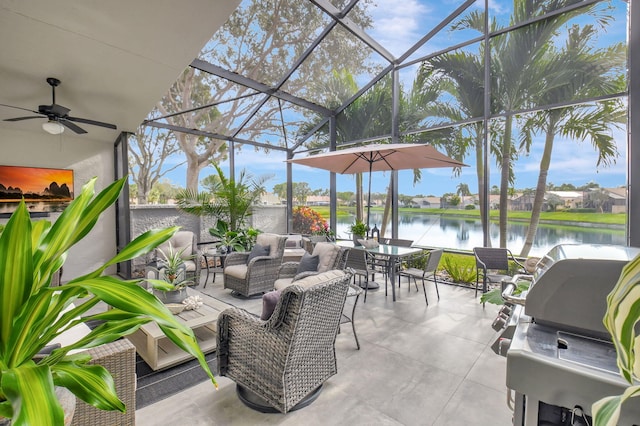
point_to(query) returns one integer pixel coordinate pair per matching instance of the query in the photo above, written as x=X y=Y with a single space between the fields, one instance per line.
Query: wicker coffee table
x=159 y=352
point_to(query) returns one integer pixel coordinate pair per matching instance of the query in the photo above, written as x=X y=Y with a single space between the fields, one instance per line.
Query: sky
x=397 y=28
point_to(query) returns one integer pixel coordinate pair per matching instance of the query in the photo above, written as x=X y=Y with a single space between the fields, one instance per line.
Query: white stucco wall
x=146 y=217
x=87 y=158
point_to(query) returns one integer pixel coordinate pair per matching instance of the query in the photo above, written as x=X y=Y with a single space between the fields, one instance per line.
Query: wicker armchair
x=331 y=256
x=119 y=358
x=279 y=362
x=259 y=274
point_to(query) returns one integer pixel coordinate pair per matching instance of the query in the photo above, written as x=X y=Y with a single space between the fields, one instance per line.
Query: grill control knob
x=499 y=323
x=503 y=346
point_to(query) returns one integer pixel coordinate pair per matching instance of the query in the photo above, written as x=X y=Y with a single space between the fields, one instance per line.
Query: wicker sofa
x=119 y=358
x=279 y=362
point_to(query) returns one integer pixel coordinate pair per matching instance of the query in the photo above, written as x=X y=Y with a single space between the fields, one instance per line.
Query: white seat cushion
x=236 y=271
x=283 y=283
x=312 y=280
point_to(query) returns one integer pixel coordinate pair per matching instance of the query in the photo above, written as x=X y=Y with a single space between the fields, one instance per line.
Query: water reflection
x=466 y=233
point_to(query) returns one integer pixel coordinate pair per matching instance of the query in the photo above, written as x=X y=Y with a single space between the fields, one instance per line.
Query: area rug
x=154 y=386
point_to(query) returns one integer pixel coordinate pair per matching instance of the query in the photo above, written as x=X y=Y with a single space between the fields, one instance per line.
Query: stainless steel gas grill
x=560 y=359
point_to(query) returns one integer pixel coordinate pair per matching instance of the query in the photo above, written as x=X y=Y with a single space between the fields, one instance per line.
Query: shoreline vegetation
x=607 y=220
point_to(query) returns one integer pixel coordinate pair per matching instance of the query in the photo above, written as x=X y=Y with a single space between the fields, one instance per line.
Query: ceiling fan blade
x=23 y=109
x=92 y=122
x=22 y=118
x=79 y=130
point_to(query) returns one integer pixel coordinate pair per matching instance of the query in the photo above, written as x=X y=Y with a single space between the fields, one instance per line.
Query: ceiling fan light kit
x=53 y=127
x=58 y=115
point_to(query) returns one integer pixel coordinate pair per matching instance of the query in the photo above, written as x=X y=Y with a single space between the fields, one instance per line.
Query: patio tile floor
x=417 y=365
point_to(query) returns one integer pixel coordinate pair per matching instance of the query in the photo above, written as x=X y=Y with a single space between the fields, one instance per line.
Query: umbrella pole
x=370 y=285
x=369 y=197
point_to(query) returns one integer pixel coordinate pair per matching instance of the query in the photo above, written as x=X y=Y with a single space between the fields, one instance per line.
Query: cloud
x=397 y=26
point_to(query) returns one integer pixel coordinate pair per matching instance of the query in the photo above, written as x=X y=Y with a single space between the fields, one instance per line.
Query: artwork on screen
x=44 y=190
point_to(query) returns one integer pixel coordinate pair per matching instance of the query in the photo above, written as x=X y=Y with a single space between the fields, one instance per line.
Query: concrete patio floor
x=417 y=365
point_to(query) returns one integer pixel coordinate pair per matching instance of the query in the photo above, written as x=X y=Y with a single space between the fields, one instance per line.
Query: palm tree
x=466 y=73
x=516 y=56
x=575 y=71
x=419 y=103
x=367 y=116
x=230 y=201
x=463 y=191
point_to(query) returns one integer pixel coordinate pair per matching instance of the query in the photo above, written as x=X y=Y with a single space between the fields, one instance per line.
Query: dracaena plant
x=32 y=313
x=173 y=268
x=621 y=318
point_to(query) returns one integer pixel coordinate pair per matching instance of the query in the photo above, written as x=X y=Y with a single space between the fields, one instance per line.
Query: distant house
x=427 y=202
x=270 y=199
x=615 y=202
x=617 y=199
x=570 y=199
x=522 y=201
x=494 y=201
x=318 y=200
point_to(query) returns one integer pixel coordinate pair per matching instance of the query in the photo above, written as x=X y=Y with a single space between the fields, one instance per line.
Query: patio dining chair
x=362 y=264
x=383 y=265
x=493 y=264
x=431 y=260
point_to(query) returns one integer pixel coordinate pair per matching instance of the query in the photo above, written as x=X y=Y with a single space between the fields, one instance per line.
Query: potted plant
x=621 y=319
x=173 y=287
x=239 y=240
x=32 y=313
x=359 y=231
x=230 y=202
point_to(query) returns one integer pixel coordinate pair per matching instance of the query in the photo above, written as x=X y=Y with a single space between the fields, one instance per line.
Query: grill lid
x=571 y=283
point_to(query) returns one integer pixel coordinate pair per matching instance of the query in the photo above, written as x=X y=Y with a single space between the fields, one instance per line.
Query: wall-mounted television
x=44 y=190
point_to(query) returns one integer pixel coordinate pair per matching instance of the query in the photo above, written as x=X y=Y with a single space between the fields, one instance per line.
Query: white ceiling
x=115 y=58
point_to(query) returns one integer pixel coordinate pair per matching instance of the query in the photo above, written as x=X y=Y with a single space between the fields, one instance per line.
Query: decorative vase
x=356 y=238
x=171 y=296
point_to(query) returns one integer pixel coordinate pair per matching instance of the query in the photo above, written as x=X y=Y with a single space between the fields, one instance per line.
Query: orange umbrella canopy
x=379 y=157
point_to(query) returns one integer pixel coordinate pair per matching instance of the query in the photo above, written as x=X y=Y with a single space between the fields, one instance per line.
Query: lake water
x=465 y=234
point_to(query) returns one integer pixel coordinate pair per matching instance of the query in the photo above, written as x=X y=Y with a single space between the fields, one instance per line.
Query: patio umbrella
x=379 y=157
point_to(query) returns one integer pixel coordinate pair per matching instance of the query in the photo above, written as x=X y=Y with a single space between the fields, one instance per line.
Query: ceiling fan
x=58 y=115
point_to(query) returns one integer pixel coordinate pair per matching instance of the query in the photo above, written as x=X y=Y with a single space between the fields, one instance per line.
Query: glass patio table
x=393 y=255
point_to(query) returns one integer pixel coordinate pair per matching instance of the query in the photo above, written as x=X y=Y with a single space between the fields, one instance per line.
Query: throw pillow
x=258 y=250
x=308 y=263
x=269 y=302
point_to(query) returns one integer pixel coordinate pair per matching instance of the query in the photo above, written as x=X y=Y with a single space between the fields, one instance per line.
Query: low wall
x=153 y=216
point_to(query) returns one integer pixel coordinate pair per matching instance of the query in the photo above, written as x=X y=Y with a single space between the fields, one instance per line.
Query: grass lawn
x=580 y=217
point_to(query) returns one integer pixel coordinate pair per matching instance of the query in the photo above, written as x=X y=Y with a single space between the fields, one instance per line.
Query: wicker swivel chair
x=248 y=277
x=330 y=256
x=490 y=259
x=280 y=364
